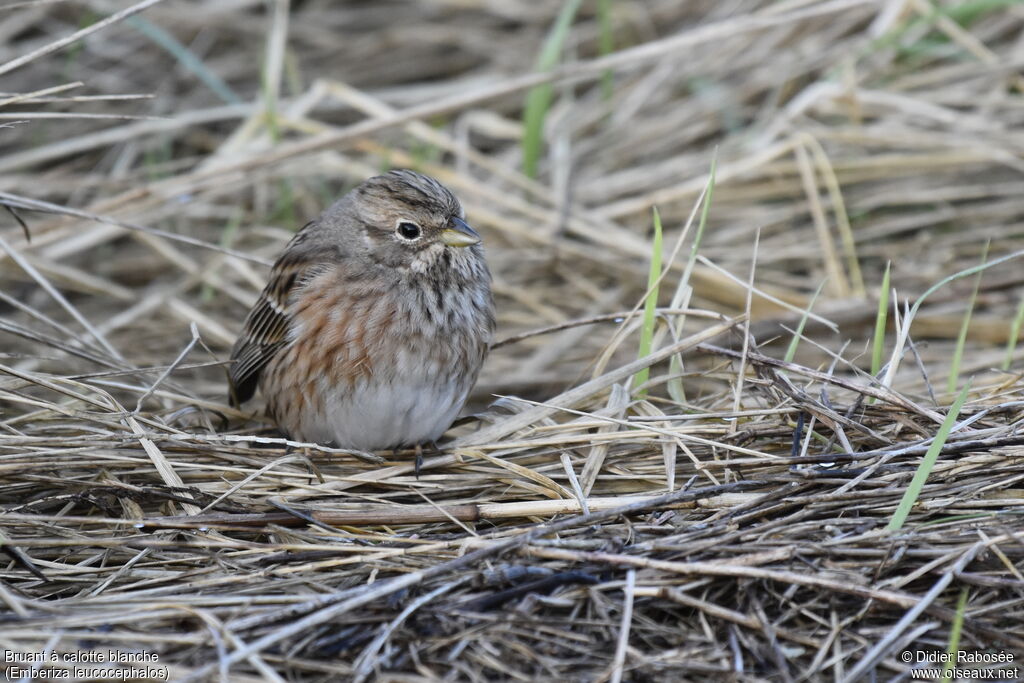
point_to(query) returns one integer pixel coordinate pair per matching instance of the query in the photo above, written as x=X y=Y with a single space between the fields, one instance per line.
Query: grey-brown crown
x=415 y=189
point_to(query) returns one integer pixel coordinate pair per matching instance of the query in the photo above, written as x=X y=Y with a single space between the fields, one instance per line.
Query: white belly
x=378 y=416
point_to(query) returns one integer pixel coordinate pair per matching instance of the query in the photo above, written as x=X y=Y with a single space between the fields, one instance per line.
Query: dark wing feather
x=266 y=327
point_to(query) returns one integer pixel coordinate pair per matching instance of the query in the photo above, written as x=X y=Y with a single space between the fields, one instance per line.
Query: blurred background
x=848 y=134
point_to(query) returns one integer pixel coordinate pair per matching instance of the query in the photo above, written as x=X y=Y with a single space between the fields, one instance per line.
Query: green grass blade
x=795 y=341
x=705 y=210
x=1011 y=343
x=284 y=211
x=961 y=340
x=927 y=463
x=675 y=385
x=964 y=13
x=954 y=637
x=651 y=302
x=881 y=319
x=227 y=238
x=901 y=342
x=185 y=57
x=538 y=99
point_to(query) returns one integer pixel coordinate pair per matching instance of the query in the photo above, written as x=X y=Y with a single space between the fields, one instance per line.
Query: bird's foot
x=435 y=450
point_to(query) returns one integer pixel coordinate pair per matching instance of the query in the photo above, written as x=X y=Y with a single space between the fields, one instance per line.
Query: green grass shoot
x=651 y=302
x=881 y=318
x=423 y=153
x=227 y=238
x=284 y=211
x=961 y=340
x=1011 y=343
x=683 y=291
x=965 y=14
x=795 y=341
x=927 y=463
x=538 y=99
x=155 y=157
x=955 y=629
x=905 y=333
x=185 y=57
x=76 y=49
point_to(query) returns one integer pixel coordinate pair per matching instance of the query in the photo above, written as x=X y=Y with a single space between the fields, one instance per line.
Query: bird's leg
x=419 y=455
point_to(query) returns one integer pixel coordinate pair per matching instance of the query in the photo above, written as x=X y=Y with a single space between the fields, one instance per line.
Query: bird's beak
x=459 y=234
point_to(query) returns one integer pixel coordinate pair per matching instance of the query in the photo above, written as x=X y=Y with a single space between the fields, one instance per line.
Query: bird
x=375 y=321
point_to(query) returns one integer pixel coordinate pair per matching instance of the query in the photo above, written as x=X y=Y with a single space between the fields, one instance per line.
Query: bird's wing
x=266 y=327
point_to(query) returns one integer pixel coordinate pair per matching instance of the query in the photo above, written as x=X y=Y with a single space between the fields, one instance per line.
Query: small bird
x=375 y=321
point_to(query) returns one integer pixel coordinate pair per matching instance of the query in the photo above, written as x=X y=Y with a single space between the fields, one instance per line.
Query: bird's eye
x=408 y=231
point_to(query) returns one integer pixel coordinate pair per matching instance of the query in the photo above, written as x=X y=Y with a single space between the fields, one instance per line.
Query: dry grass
x=585 y=530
